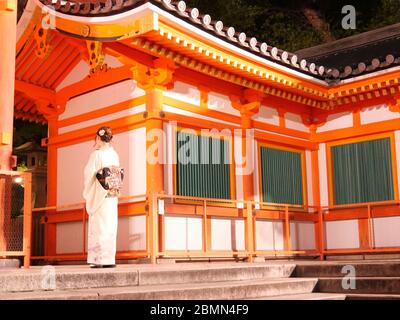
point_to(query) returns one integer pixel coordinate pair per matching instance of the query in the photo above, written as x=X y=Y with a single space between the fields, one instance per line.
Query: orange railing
x=15 y=215
x=365 y=214
x=158 y=207
x=249 y=211
x=77 y=212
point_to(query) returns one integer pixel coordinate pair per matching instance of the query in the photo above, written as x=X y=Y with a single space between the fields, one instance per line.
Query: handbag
x=111 y=179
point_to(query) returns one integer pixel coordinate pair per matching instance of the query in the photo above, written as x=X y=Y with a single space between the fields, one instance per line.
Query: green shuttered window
x=202 y=168
x=362 y=172
x=281 y=176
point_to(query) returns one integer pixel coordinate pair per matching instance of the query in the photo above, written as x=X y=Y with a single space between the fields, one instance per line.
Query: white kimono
x=102 y=211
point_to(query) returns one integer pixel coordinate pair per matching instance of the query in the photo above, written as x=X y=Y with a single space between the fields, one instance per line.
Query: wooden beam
x=91 y=83
x=34 y=91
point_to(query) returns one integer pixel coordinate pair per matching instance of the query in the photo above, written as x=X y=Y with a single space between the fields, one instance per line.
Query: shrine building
x=308 y=143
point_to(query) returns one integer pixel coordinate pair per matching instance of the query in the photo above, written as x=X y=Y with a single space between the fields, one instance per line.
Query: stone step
x=363 y=285
x=225 y=290
x=81 y=277
x=362 y=269
x=307 y=296
x=373 y=297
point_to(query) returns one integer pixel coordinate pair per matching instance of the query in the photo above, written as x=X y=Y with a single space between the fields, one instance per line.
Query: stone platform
x=269 y=280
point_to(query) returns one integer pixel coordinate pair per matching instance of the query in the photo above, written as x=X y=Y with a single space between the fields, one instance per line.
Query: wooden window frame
x=303 y=164
x=232 y=176
x=329 y=166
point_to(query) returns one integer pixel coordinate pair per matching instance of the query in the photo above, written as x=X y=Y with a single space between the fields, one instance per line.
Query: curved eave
x=122 y=26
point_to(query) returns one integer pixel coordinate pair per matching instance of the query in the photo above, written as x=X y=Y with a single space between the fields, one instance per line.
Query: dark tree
x=294 y=24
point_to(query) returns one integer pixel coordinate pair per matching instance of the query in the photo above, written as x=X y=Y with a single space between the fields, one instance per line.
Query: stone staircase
x=173 y=282
x=274 y=280
x=378 y=280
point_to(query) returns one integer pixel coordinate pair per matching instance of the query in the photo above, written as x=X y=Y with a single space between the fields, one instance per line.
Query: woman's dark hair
x=105 y=134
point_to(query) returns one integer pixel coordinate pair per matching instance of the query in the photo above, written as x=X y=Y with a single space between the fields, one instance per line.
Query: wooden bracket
x=95 y=56
x=394 y=104
x=159 y=75
x=43 y=48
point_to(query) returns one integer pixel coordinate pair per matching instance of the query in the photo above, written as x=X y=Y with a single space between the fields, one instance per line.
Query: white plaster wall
x=323 y=178
x=294 y=121
x=131 y=233
x=112 y=61
x=171 y=109
x=221 y=103
x=280 y=135
x=309 y=173
x=267 y=115
x=302 y=235
x=69 y=237
x=71 y=161
x=81 y=71
x=131 y=147
x=184 y=92
x=377 y=113
x=98 y=120
x=102 y=98
x=269 y=235
x=227 y=234
x=342 y=234
x=182 y=233
x=387 y=231
x=337 y=121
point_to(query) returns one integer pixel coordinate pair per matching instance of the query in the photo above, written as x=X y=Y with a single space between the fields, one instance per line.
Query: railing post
x=321 y=237
x=371 y=237
x=153 y=227
x=249 y=231
x=205 y=228
x=27 y=237
x=84 y=229
x=288 y=242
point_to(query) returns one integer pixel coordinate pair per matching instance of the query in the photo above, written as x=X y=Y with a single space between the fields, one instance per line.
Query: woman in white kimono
x=102 y=209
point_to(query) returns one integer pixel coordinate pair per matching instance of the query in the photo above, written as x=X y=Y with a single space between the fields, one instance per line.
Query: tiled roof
x=193 y=16
x=359 y=54
x=318 y=67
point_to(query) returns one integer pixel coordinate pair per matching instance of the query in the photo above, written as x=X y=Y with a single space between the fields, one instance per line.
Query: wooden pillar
x=248 y=166
x=27 y=237
x=50 y=236
x=319 y=225
x=248 y=158
x=154 y=167
x=154 y=81
x=154 y=127
x=8 y=29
